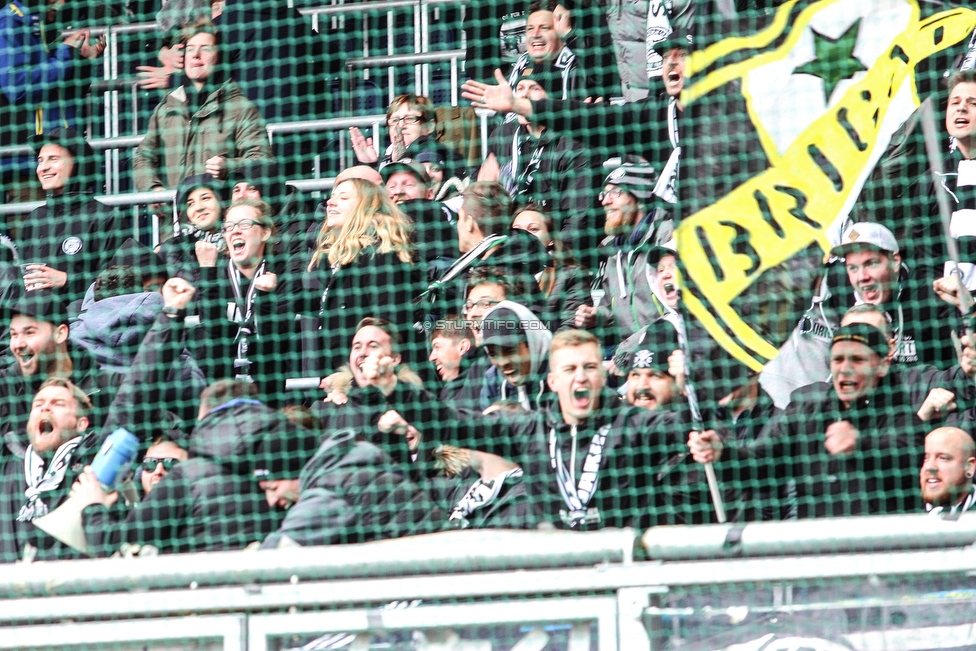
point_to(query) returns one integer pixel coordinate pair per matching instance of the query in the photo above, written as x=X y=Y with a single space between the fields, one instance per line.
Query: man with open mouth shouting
x=878 y=275
x=589 y=460
x=56 y=429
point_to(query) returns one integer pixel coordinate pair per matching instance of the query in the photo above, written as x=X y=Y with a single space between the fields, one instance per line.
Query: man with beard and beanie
x=206 y=126
x=517 y=343
x=946 y=477
x=67 y=241
x=851 y=446
x=650 y=384
x=211 y=501
x=41 y=79
x=200 y=204
x=630 y=253
x=534 y=163
x=589 y=461
x=349 y=492
x=59 y=441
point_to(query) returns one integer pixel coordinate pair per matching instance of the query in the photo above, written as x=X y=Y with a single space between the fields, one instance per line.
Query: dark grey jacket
x=352 y=492
x=211 y=502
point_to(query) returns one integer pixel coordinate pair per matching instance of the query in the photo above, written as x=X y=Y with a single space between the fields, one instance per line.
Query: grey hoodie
x=112 y=329
x=496 y=387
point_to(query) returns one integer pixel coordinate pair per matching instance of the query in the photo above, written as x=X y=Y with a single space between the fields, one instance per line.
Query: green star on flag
x=835 y=59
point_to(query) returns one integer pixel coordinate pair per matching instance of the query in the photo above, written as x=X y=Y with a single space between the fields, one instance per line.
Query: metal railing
x=111 y=88
x=589 y=581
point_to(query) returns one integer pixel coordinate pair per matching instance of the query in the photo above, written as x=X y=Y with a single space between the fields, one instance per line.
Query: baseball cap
x=676 y=39
x=406 y=165
x=857 y=236
x=638 y=180
x=41 y=304
x=503 y=327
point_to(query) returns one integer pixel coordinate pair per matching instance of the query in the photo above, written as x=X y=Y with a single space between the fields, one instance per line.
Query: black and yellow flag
x=787 y=121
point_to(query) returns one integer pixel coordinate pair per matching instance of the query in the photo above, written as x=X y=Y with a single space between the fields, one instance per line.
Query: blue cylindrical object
x=117 y=455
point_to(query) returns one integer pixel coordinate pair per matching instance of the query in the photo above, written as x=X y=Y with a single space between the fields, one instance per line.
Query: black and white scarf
x=40 y=481
x=243 y=313
x=516 y=177
x=966 y=505
x=667 y=182
x=565 y=64
x=196 y=234
x=577 y=495
x=481 y=494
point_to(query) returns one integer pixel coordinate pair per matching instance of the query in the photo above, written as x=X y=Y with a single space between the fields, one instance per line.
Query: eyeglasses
x=203 y=49
x=244 y=225
x=149 y=464
x=483 y=303
x=610 y=194
x=406 y=119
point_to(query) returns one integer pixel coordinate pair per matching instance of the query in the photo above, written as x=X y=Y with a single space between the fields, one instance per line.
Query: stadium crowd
x=481 y=355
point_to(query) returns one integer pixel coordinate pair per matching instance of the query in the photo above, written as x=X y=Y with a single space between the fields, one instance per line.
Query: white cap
x=866 y=234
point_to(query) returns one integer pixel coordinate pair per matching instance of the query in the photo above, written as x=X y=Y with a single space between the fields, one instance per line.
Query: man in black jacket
x=352 y=403
x=852 y=446
x=589 y=461
x=59 y=442
x=453 y=352
x=549 y=168
x=67 y=241
x=349 y=492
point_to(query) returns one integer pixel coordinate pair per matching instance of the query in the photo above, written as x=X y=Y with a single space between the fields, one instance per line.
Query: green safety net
x=266 y=266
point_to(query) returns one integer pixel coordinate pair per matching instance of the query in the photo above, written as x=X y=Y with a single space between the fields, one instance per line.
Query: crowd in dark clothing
x=438 y=345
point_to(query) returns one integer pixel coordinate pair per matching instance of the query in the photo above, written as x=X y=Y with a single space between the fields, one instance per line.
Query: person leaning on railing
x=204 y=126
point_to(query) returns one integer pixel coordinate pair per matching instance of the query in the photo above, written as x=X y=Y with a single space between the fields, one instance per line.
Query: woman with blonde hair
x=362 y=266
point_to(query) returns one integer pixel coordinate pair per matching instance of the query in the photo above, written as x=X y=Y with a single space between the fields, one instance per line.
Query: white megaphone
x=64 y=523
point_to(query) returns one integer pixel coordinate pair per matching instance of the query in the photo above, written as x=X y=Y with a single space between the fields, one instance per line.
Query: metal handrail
x=411 y=58
x=114 y=200
x=384 y=5
x=305 y=126
x=440 y=553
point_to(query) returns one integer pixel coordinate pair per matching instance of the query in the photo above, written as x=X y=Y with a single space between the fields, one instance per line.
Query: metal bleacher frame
x=111 y=89
x=590 y=584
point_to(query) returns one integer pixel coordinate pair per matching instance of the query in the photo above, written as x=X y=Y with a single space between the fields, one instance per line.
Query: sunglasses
x=149 y=464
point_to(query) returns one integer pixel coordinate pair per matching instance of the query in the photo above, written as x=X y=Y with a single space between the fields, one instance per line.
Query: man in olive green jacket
x=206 y=125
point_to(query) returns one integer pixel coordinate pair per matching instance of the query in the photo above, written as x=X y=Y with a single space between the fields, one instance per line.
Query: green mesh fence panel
x=399 y=276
